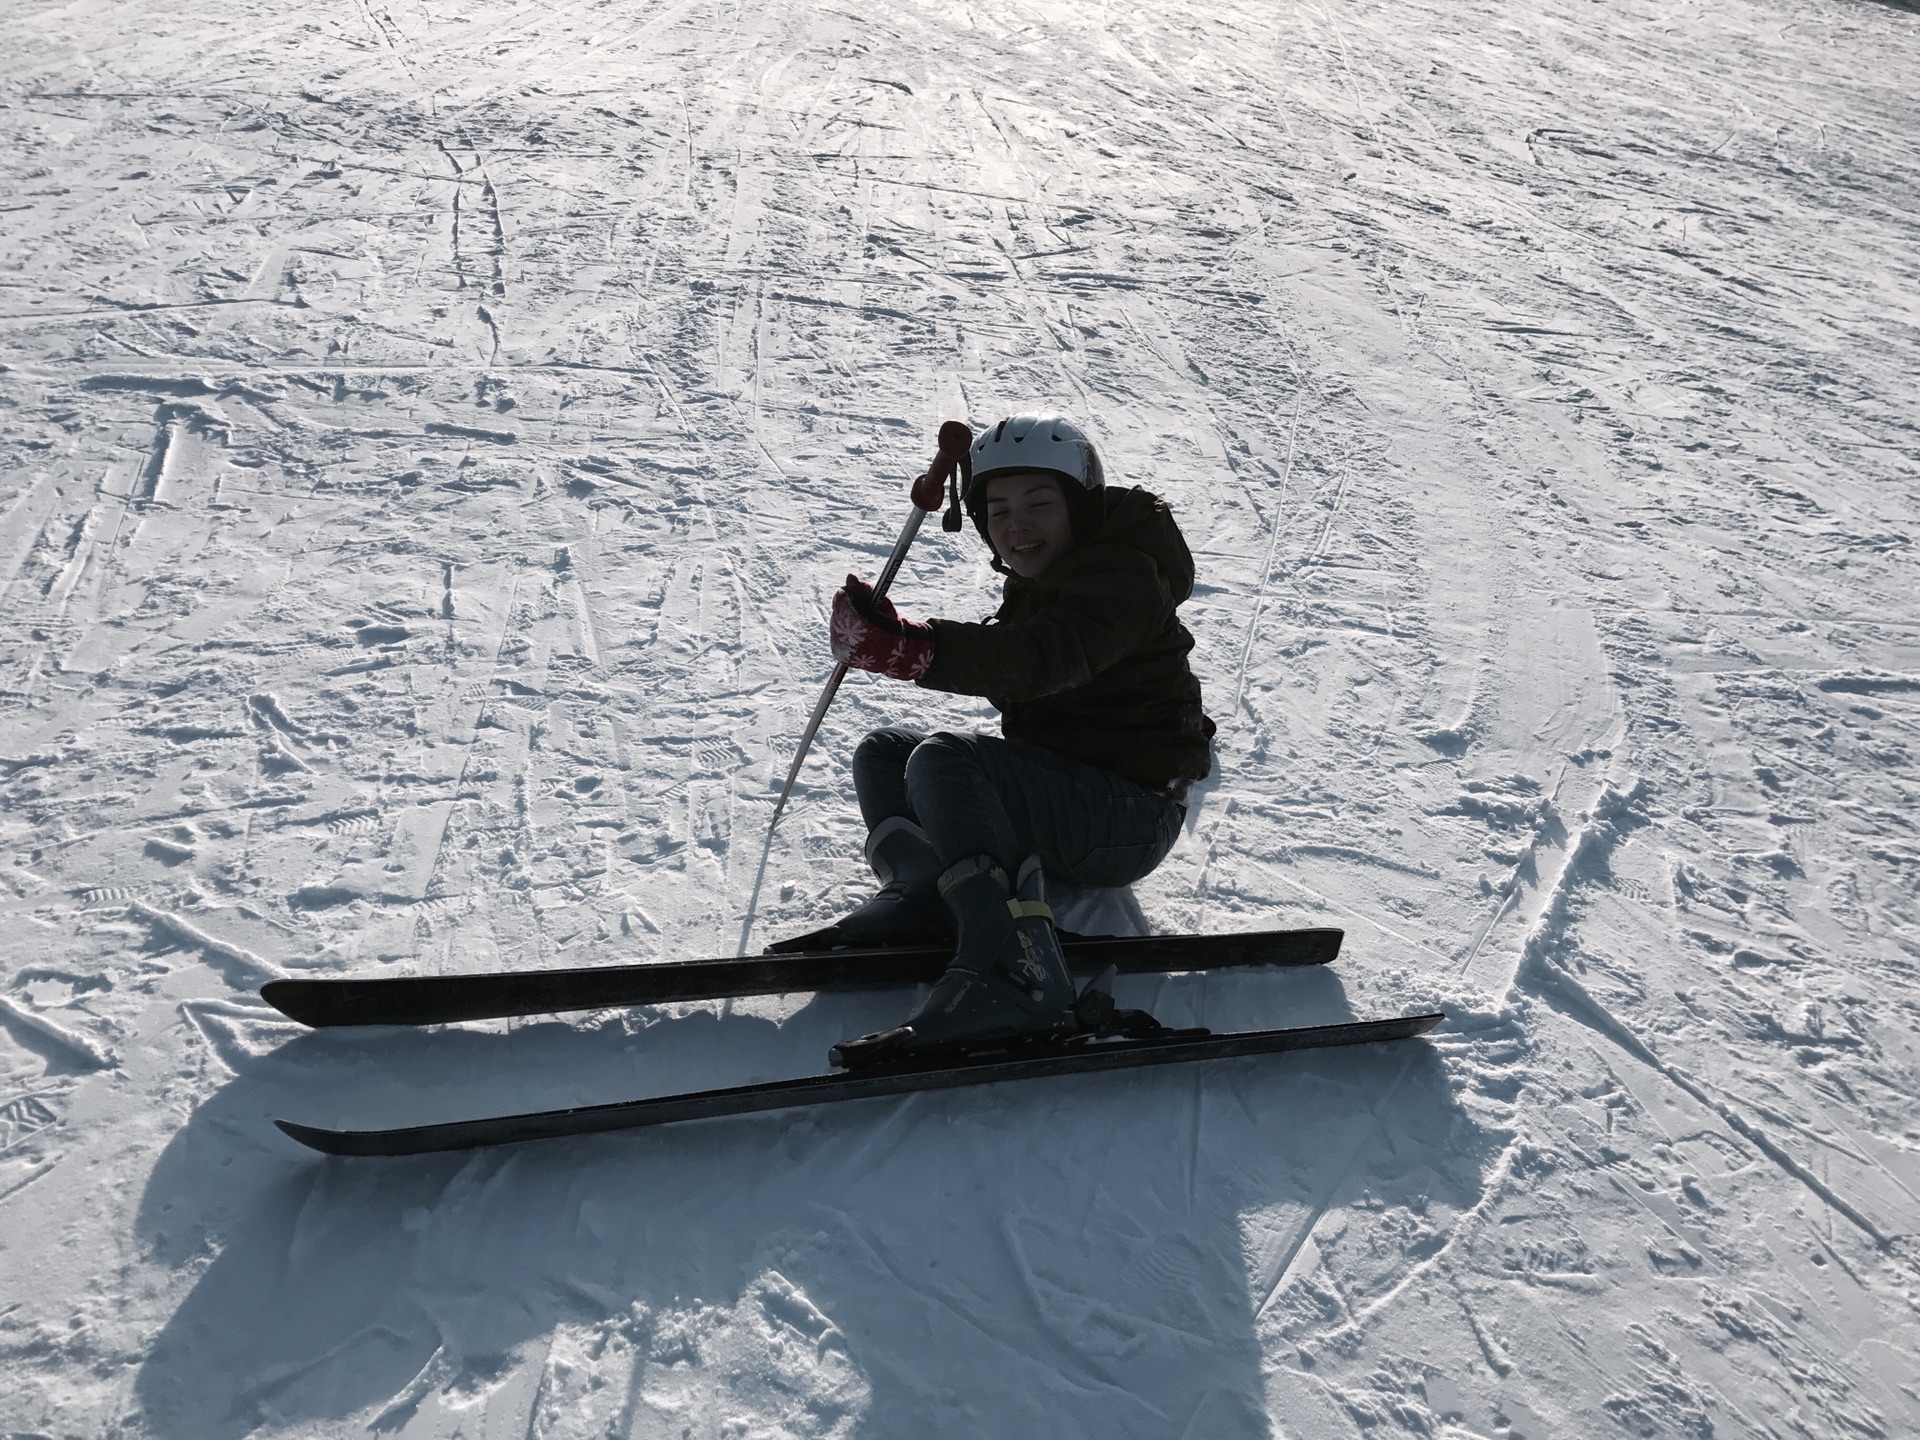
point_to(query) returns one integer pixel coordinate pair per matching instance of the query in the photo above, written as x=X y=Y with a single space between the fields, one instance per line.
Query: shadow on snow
x=1077 y=1244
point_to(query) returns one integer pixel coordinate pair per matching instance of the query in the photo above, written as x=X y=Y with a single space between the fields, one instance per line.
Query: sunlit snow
x=429 y=433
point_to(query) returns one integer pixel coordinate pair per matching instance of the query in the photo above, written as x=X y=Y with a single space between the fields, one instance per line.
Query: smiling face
x=1028 y=521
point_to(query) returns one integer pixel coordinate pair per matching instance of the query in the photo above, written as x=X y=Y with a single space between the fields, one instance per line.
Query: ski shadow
x=1080 y=1256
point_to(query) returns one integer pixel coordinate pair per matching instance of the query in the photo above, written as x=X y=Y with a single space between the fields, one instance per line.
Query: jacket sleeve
x=1105 y=607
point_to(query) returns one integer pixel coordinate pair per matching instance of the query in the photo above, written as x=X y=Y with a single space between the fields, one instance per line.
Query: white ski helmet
x=1045 y=442
x=1037 y=442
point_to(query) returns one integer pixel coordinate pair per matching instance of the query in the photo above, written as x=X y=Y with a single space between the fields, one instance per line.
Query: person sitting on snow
x=1086 y=660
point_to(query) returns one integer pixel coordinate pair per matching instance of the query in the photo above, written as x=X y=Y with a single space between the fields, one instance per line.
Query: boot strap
x=1027 y=909
x=963 y=870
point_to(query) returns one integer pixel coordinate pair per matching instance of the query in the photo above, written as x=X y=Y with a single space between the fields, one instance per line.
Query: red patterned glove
x=869 y=634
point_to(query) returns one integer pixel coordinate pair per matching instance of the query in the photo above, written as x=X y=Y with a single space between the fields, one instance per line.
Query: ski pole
x=955 y=441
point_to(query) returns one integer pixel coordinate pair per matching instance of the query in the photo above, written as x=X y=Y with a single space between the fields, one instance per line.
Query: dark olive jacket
x=1089 y=660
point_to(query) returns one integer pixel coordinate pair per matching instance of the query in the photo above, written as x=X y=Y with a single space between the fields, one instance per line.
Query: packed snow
x=432 y=431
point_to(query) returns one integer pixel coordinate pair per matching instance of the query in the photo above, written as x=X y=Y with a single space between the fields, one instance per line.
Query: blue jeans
x=980 y=795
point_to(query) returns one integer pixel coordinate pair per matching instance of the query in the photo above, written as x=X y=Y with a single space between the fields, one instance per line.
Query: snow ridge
x=245 y=968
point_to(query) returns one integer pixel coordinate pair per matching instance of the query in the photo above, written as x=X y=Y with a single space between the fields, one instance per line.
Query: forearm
x=1028 y=660
x=1010 y=662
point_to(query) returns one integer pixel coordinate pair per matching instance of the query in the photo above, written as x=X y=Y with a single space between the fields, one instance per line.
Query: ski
x=1168 y=1048
x=442 y=999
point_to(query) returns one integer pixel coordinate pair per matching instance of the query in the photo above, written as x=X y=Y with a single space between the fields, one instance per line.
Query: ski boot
x=1008 y=980
x=907 y=911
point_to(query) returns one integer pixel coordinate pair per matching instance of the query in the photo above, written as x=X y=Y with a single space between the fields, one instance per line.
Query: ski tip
x=306 y=1134
x=327 y=1142
x=288 y=997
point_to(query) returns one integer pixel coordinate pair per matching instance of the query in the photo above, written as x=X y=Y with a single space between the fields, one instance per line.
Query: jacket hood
x=1141 y=521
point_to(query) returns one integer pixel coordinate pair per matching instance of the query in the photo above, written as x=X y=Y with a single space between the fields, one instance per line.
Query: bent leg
x=880 y=775
x=979 y=795
x=907 y=908
x=999 y=816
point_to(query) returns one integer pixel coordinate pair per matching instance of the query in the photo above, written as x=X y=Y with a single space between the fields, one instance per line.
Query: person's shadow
x=1082 y=1256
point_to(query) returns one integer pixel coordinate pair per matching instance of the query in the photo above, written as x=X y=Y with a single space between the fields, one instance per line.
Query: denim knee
x=879 y=774
x=940 y=759
x=888 y=743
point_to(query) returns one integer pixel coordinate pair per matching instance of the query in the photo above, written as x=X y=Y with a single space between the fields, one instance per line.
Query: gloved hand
x=869 y=634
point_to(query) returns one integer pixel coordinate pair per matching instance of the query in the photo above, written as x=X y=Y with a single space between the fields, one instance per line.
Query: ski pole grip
x=955 y=440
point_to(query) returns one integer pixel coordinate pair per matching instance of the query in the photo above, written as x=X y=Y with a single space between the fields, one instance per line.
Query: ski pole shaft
x=899 y=555
x=955 y=440
x=894 y=561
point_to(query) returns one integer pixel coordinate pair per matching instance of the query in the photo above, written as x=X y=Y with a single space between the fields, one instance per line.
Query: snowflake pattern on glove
x=864 y=645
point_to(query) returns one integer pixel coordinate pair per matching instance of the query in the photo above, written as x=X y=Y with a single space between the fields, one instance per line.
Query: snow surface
x=431 y=432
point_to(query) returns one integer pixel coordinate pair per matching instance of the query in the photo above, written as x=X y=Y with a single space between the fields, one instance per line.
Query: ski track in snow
x=431 y=433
